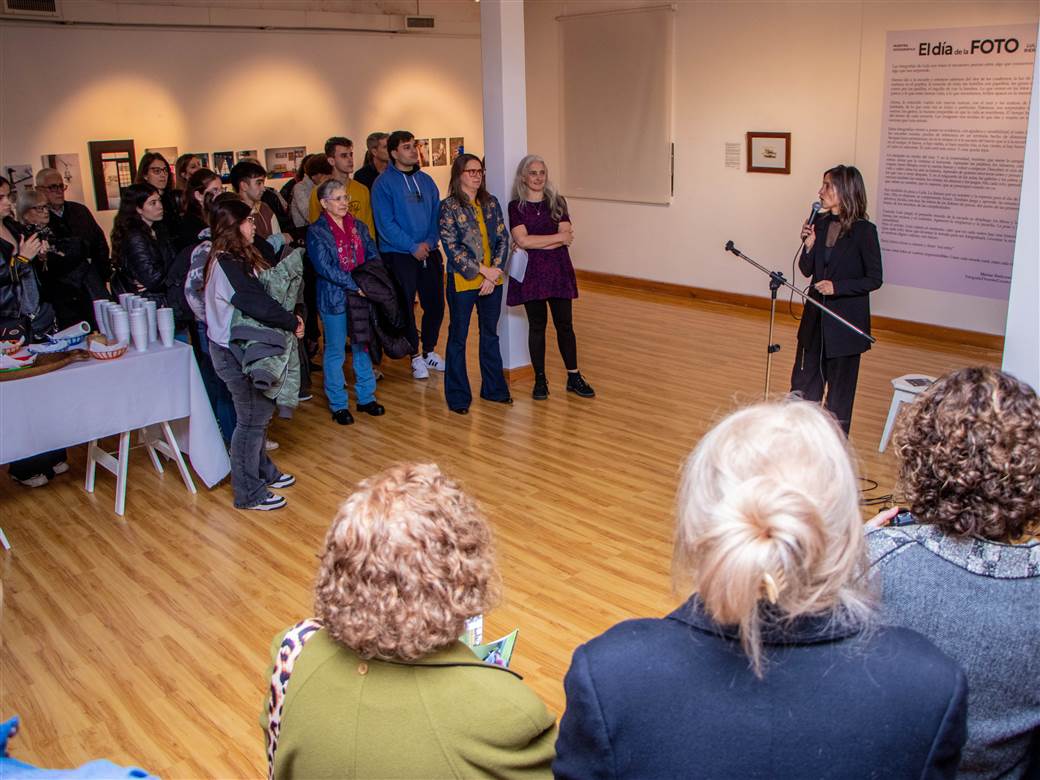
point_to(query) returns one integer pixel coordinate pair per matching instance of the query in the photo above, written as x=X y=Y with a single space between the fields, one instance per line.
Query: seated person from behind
x=968 y=451
x=385 y=688
x=775 y=666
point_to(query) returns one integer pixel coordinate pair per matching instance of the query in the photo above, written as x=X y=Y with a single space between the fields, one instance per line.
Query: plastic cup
x=121 y=325
x=149 y=311
x=139 y=329
x=99 y=304
x=124 y=299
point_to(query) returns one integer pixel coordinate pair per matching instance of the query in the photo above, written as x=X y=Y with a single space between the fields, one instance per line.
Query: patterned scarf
x=348 y=242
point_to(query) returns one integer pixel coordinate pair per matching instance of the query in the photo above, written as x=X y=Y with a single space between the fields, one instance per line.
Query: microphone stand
x=776 y=281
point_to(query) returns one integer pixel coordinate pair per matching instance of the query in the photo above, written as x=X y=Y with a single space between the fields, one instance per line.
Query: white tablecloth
x=96 y=398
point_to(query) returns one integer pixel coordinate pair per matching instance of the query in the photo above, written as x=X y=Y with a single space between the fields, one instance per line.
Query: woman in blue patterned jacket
x=476 y=243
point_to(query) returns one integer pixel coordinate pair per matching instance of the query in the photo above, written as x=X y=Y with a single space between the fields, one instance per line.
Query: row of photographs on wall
x=113 y=165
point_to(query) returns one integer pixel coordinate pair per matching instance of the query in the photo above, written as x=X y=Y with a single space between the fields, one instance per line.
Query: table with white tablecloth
x=93 y=399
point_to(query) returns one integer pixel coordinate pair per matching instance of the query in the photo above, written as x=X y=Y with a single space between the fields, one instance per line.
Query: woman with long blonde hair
x=775 y=666
x=541 y=226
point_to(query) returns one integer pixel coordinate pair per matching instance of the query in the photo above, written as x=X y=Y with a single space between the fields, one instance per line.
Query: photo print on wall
x=112 y=166
x=222 y=163
x=281 y=161
x=457 y=146
x=247 y=154
x=422 y=145
x=68 y=166
x=20 y=175
x=439 y=151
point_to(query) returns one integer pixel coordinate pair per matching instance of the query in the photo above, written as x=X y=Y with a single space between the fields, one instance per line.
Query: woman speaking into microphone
x=842 y=256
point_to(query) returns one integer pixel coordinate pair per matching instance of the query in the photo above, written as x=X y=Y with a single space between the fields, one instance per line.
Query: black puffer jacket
x=142 y=263
x=378 y=318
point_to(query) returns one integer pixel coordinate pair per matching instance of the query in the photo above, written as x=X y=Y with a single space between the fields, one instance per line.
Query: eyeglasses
x=251 y=220
x=55 y=187
x=159 y=171
x=474 y=171
x=37 y=208
x=338 y=199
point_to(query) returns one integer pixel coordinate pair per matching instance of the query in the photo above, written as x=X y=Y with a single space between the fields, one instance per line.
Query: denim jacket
x=333 y=281
x=460 y=236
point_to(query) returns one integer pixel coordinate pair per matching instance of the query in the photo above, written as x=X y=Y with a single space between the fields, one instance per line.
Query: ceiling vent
x=34 y=7
x=419 y=22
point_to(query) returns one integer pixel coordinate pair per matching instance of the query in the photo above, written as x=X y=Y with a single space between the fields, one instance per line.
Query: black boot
x=576 y=384
x=541 y=388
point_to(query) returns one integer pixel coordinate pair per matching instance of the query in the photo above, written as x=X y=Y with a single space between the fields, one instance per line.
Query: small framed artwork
x=457 y=145
x=422 y=146
x=768 y=152
x=439 y=151
x=112 y=165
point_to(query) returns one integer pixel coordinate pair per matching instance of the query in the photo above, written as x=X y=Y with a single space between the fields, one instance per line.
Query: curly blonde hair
x=969 y=455
x=408 y=558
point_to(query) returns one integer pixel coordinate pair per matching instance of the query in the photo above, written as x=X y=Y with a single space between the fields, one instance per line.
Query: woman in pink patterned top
x=541 y=226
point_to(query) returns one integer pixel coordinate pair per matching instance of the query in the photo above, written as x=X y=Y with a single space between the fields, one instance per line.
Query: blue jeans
x=251 y=469
x=456 y=381
x=335 y=326
x=216 y=390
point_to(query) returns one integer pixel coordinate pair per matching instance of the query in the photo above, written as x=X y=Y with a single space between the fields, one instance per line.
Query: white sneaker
x=35 y=481
x=270 y=445
x=434 y=361
x=419 y=369
x=60 y=468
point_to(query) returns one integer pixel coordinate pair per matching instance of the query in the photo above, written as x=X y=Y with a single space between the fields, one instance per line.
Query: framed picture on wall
x=222 y=164
x=422 y=146
x=282 y=161
x=457 y=146
x=112 y=166
x=439 y=151
x=768 y=152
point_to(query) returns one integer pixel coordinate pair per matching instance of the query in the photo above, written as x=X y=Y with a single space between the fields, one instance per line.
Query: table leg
x=92 y=448
x=122 y=464
x=178 y=458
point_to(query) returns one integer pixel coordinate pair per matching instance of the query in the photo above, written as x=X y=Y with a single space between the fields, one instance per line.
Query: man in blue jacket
x=406 y=205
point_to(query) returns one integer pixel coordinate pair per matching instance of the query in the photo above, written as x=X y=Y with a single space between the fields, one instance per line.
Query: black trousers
x=426 y=278
x=813 y=374
x=538 y=318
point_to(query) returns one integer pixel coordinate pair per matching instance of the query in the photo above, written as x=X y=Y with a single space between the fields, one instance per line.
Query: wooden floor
x=145 y=640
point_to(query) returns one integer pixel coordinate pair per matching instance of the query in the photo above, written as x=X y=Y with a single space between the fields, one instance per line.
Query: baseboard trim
x=519 y=374
x=619 y=283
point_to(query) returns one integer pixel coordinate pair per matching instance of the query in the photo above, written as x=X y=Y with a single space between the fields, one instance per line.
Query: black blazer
x=77 y=220
x=674 y=697
x=855 y=269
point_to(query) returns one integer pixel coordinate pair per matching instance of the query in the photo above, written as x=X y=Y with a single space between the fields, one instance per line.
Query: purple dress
x=549 y=271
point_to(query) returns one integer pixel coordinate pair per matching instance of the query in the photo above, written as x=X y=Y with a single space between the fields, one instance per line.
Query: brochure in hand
x=499 y=652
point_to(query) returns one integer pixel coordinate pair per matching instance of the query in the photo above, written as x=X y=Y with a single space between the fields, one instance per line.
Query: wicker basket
x=99 y=348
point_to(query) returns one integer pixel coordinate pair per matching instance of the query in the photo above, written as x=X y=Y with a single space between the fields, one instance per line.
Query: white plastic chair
x=904 y=388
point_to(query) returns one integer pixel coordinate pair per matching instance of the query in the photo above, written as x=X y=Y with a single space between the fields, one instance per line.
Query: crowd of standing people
x=369 y=245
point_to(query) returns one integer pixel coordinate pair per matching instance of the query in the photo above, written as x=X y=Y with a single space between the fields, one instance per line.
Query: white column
x=505 y=136
x=1022 y=332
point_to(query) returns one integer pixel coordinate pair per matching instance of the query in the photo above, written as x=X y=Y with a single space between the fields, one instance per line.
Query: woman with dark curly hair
x=966 y=572
x=380 y=684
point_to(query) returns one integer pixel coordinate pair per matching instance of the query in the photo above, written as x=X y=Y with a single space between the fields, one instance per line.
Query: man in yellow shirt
x=340 y=152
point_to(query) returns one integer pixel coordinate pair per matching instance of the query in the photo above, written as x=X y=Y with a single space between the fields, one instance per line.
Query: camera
x=905 y=517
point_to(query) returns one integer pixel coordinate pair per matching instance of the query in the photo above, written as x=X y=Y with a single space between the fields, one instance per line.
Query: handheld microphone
x=812 y=214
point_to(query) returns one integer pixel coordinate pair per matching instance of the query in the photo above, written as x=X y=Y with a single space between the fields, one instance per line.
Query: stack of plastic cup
x=166 y=326
x=98 y=305
x=139 y=329
x=150 y=307
x=120 y=322
x=124 y=300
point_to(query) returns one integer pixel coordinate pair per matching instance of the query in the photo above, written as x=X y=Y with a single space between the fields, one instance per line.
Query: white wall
x=214 y=90
x=1022 y=342
x=814 y=69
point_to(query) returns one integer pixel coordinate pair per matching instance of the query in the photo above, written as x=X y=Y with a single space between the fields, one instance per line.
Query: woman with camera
x=20 y=311
x=963 y=565
x=68 y=280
